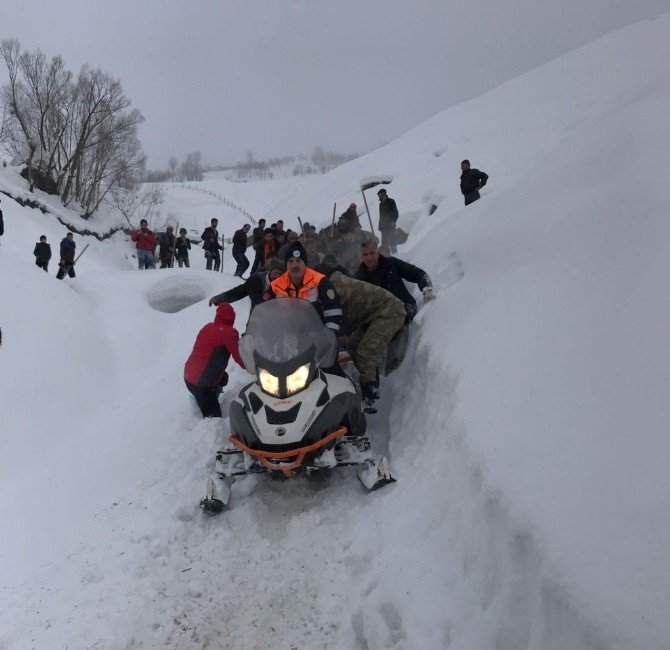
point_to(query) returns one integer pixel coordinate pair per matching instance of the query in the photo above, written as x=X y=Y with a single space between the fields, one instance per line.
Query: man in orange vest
x=299 y=281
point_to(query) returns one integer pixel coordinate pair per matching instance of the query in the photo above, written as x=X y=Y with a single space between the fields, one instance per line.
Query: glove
x=428 y=294
x=213 y=301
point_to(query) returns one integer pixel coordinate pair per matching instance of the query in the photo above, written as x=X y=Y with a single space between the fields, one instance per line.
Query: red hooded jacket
x=215 y=343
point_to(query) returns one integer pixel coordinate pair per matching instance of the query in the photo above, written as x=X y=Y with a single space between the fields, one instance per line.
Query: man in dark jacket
x=42 y=253
x=205 y=369
x=182 y=247
x=388 y=216
x=166 y=241
x=240 y=249
x=67 y=251
x=472 y=180
x=391 y=274
x=212 y=246
x=254 y=287
x=258 y=234
x=350 y=216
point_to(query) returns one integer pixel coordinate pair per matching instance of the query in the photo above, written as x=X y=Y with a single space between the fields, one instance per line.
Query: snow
x=531 y=508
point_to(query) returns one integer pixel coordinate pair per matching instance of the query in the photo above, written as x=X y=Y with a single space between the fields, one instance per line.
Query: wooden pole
x=332 y=227
x=80 y=254
x=302 y=229
x=368 y=211
x=174 y=247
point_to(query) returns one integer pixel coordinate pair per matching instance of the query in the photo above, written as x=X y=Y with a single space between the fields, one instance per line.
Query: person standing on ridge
x=67 y=251
x=388 y=216
x=42 y=253
x=472 y=180
x=240 y=249
x=2 y=225
x=212 y=246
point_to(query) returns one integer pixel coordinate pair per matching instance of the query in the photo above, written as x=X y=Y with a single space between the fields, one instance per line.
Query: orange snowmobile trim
x=301 y=452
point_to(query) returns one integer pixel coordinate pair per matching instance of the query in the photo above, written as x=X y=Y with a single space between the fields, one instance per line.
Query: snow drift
x=527 y=427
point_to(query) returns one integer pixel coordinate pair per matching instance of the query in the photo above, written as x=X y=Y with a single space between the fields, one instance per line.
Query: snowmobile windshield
x=283 y=330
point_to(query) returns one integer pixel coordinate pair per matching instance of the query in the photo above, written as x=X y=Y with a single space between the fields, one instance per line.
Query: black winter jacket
x=182 y=247
x=211 y=238
x=42 y=251
x=239 y=241
x=472 y=180
x=388 y=214
x=254 y=287
x=390 y=274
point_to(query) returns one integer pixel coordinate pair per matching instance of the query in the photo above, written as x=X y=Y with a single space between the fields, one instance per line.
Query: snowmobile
x=302 y=414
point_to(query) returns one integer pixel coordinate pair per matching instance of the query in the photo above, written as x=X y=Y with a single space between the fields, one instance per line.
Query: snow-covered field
x=527 y=427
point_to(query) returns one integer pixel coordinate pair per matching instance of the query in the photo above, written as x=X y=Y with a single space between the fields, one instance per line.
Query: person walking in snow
x=67 y=253
x=212 y=246
x=240 y=249
x=205 y=369
x=166 y=241
x=145 y=242
x=388 y=216
x=472 y=180
x=182 y=247
x=42 y=253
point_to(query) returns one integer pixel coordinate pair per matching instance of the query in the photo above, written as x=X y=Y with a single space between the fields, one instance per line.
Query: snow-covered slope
x=527 y=426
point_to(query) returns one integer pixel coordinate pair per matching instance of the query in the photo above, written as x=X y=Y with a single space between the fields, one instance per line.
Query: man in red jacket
x=205 y=370
x=145 y=242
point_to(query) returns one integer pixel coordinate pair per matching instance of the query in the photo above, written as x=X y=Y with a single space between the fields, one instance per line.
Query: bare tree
x=78 y=135
x=136 y=205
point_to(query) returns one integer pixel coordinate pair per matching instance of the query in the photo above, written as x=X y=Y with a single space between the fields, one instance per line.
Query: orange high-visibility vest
x=283 y=286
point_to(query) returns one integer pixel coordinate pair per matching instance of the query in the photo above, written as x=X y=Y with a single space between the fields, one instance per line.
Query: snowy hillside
x=527 y=427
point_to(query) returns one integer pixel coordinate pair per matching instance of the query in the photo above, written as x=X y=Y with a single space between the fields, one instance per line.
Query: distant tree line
x=76 y=134
x=192 y=168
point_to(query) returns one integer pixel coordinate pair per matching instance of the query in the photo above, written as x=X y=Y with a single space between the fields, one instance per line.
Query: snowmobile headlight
x=269 y=383
x=296 y=381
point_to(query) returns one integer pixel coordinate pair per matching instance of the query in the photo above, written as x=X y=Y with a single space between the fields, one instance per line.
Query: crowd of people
x=358 y=287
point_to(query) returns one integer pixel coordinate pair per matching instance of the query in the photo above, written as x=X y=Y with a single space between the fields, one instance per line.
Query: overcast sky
x=280 y=76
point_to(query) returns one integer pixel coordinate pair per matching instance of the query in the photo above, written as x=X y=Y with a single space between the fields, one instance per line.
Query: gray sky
x=280 y=76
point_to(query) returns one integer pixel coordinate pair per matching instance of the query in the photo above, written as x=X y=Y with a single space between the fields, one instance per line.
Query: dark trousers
x=183 y=261
x=471 y=197
x=65 y=270
x=242 y=263
x=388 y=239
x=43 y=264
x=207 y=398
x=258 y=261
x=395 y=351
x=213 y=258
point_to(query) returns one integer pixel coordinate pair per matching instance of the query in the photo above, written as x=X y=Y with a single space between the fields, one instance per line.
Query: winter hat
x=225 y=314
x=382 y=191
x=268 y=231
x=296 y=251
x=353 y=205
